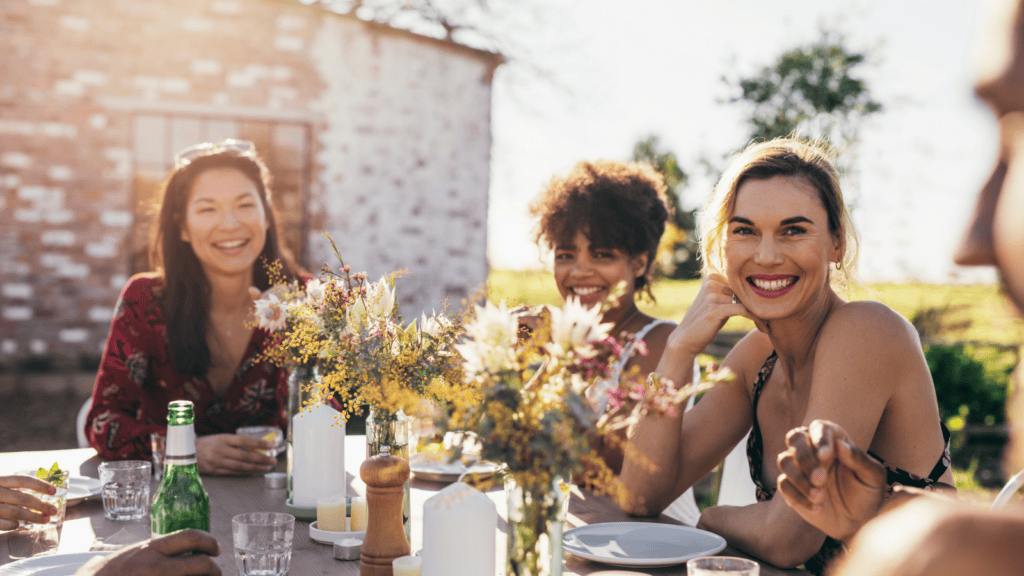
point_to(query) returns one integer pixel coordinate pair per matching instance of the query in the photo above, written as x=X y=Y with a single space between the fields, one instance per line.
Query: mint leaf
x=52 y=475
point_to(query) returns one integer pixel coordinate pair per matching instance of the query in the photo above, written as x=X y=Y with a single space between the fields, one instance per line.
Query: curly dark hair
x=617 y=205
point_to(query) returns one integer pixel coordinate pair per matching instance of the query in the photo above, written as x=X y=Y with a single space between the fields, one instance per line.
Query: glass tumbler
x=125 y=489
x=722 y=566
x=58 y=500
x=263 y=543
x=158 y=444
x=272 y=433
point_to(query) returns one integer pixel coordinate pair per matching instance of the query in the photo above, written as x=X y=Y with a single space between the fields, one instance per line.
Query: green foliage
x=809 y=90
x=677 y=254
x=969 y=390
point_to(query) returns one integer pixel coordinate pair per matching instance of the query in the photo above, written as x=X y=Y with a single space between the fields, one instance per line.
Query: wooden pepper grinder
x=385 y=476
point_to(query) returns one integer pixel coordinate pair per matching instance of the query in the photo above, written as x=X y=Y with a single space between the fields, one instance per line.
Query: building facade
x=377 y=136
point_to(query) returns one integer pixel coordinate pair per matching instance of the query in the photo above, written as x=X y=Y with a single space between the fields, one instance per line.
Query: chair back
x=83 y=413
x=1008 y=491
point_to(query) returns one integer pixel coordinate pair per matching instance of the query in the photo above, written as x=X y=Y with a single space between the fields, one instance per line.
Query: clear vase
x=391 y=429
x=536 y=514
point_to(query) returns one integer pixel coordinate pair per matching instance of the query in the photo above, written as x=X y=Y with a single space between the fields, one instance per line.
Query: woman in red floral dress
x=186 y=331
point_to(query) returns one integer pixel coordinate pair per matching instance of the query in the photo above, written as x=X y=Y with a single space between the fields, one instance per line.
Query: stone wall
x=393 y=137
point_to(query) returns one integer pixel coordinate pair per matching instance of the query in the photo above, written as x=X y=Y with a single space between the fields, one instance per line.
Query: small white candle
x=459 y=525
x=318 y=449
x=359 y=518
x=406 y=566
x=330 y=513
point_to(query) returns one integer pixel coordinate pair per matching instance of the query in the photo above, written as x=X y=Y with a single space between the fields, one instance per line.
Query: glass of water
x=722 y=566
x=271 y=433
x=263 y=543
x=58 y=500
x=158 y=443
x=125 y=488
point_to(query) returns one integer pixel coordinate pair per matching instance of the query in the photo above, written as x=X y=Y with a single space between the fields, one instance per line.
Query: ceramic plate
x=82 y=487
x=53 y=565
x=640 y=543
x=329 y=537
x=426 y=469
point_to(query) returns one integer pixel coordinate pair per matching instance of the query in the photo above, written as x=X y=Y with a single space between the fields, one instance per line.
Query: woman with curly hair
x=603 y=221
x=185 y=332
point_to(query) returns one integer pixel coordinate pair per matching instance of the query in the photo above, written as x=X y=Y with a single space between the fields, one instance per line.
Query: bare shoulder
x=748 y=355
x=867 y=323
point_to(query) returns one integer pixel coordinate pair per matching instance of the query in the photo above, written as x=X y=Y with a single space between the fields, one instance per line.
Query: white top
x=597 y=395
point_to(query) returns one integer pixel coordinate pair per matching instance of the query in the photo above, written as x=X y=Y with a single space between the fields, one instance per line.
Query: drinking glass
x=272 y=433
x=722 y=566
x=58 y=500
x=125 y=489
x=263 y=543
x=158 y=443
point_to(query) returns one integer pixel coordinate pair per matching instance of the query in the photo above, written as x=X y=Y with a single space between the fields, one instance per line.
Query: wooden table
x=86 y=528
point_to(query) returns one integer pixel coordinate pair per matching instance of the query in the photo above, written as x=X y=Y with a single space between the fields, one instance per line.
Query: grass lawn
x=975 y=313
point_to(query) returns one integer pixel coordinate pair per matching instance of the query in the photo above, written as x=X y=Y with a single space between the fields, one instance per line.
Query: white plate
x=640 y=543
x=53 y=565
x=329 y=537
x=82 y=487
x=427 y=469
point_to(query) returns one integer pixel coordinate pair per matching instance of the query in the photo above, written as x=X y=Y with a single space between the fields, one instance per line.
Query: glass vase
x=536 y=515
x=391 y=429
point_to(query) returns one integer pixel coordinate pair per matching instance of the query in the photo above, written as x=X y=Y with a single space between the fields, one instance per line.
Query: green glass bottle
x=181 y=501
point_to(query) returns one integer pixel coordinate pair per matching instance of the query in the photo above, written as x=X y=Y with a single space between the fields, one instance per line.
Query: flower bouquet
x=535 y=403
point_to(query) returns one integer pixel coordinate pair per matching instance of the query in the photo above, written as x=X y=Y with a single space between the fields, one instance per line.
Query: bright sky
x=654 y=67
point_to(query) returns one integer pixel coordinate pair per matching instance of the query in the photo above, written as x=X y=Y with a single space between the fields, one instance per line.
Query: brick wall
x=398 y=158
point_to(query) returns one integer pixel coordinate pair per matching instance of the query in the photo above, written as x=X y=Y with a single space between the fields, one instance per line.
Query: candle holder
x=384 y=476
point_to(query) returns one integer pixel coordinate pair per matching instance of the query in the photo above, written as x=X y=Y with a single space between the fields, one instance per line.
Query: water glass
x=158 y=443
x=125 y=489
x=272 y=433
x=722 y=566
x=58 y=500
x=263 y=543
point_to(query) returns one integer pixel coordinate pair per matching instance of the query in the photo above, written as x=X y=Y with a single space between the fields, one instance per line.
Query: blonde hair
x=810 y=161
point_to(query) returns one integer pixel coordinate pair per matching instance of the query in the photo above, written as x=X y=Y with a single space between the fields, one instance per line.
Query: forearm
x=651 y=465
x=764 y=531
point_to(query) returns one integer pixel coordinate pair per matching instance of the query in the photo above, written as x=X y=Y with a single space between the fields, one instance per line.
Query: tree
x=677 y=253
x=810 y=90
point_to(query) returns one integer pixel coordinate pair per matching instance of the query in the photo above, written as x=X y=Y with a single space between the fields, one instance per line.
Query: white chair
x=1008 y=491
x=83 y=412
x=736 y=488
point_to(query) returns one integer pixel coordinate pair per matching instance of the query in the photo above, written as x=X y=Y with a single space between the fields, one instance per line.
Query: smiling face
x=589 y=273
x=225 y=222
x=778 y=246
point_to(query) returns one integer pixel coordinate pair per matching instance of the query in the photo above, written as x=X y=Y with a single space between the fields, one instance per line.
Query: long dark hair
x=186 y=290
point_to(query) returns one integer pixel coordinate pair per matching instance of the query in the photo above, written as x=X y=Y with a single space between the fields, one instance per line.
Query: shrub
x=970 y=383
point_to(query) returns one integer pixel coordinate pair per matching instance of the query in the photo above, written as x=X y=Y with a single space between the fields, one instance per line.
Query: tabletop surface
x=85 y=528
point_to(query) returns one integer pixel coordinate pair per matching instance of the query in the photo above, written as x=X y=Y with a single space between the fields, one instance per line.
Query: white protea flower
x=433 y=325
x=380 y=299
x=355 y=317
x=574 y=326
x=271 y=313
x=492 y=334
x=315 y=290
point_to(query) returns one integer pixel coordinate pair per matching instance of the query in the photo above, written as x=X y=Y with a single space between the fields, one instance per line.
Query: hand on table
x=233 y=454
x=17 y=505
x=828 y=481
x=160 y=557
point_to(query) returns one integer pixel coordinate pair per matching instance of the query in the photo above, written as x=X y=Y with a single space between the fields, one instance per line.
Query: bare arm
x=860 y=363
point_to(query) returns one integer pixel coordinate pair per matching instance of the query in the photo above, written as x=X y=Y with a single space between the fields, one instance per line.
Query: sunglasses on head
x=240 y=147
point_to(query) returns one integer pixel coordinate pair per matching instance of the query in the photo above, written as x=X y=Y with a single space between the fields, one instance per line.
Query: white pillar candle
x=406 y=566
x=459 y=524
x=330 y=513
x=359 y=517
x=318 y=449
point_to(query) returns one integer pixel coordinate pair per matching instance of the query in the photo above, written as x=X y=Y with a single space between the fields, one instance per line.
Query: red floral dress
x=137 y=380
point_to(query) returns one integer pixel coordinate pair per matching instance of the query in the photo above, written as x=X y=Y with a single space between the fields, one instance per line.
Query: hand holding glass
x=58 y=500
x=269 y=433
x=125 y=489
x=263 y=543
